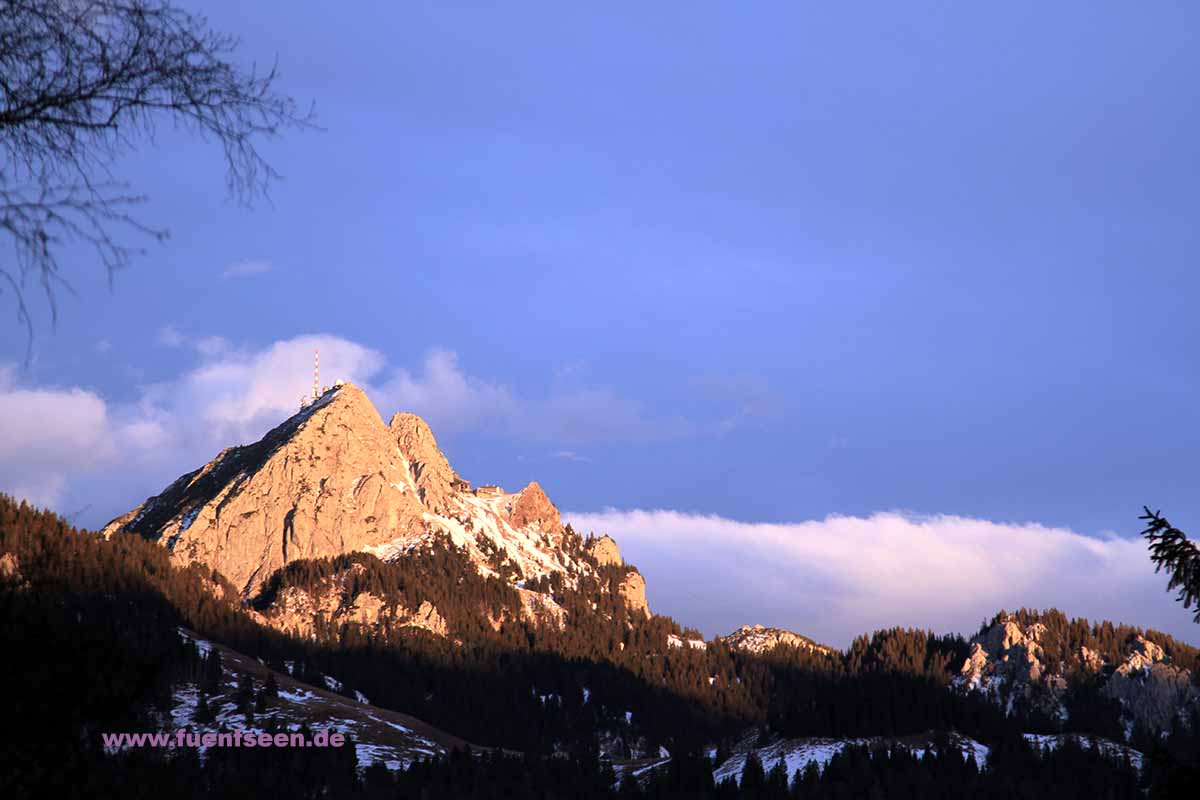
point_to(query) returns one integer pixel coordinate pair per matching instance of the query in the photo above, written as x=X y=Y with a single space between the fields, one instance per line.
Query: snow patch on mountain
x=797 y=754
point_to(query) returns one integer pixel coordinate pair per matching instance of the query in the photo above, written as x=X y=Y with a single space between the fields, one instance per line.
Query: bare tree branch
x=83 y=82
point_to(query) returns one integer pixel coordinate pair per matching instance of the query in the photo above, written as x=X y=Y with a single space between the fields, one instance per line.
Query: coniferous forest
x=90 y=632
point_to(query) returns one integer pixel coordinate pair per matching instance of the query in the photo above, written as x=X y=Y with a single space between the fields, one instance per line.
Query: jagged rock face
x=605 y=551
x=10 y=568
x=10 y=572
x=1152 y=690
x=757 y=639
x=1091 y=660
x=430 y=469
x=1006 y=664
x=977 y=662
x=298 y=613
x=1018 y=650
x=633 y=592
x=329 y=480
x=533 y=509
x=334 y=479
x=1145 y=655
x=541 y=609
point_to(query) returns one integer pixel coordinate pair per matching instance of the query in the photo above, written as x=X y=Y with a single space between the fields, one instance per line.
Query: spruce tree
x=1170 y=549
x=754 y=780
x=203 y=715
x=213 y=678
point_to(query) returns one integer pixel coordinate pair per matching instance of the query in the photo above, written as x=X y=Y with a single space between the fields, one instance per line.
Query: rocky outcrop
x=10 y=568
x=605 y=551
x=533 y=508
x=426 y=617
x=1091 y=660
x=298 y=613
x=1006 y=649
x=429 y=468
x=633 y=592
x=540 y=609
x=1007 y=663
x=1145 y=654
x=10 y=572
x=758 y=639
x=1151 y=690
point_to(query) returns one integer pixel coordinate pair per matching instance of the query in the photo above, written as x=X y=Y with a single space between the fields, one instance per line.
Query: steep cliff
x=334 y=479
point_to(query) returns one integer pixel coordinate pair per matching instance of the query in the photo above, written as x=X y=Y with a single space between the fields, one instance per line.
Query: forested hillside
x=90 y=626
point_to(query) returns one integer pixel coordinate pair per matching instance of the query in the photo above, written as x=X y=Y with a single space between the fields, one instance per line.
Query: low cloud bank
x=835 y=578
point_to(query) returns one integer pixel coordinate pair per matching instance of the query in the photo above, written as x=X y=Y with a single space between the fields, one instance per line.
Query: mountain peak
x=760 y=639
x=346 y=404
x=605 y=551
x=533 y=507
x=411 y=428
x=334 y=479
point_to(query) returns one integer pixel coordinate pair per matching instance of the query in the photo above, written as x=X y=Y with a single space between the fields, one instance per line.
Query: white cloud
x=61 y=443
x=46 y=433
x=837 y=577
x=234 y=396
x=244 y=269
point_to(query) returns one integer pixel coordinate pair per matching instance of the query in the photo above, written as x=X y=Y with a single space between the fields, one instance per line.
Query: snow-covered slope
x=796 y=754
x=758 y=639
x=378 y=735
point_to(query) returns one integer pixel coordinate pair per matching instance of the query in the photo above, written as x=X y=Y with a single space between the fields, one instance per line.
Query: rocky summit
x=334 y=479
x=760 y=639
x=1031 y=666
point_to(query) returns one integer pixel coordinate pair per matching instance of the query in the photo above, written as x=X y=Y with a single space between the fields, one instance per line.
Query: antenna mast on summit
x=316 y=371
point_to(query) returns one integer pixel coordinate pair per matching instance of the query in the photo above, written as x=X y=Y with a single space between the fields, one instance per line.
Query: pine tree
x=777 y=781
x=754 y=780
x=212 y=680
x=244 y=696
x=203 y=715
x=267 y=695
x=1171 y=549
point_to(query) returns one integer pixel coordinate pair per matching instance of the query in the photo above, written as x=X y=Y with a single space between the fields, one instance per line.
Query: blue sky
x=767 y=266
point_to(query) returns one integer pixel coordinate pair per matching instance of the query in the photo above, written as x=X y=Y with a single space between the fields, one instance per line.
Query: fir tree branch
x=1171 y=549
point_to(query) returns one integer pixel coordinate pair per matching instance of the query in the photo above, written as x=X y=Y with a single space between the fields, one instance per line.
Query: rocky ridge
x=1008 y=663
x=334 y=479
x=758 y=639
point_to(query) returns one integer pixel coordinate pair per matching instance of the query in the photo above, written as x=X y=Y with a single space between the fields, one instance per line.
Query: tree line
x=90 y=628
